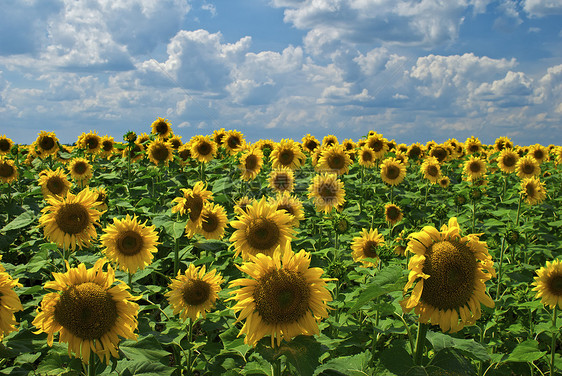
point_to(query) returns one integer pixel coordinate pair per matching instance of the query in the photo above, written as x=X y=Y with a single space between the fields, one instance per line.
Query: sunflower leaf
x=526 y=351
x=354 y=365
x=20 y=221
x=468 y=347
x=388 y=280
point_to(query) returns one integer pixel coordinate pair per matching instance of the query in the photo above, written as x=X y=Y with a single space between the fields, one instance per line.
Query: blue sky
x=415 y=70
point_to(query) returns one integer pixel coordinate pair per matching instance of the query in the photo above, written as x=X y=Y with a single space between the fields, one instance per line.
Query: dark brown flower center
x=336 y=161
x=160 y=152
x=72 y=218
x=55 y=185
x=161 y=127
x=107 y=146
x=555 y=285
x=432 y=170
x=196 y=292
x=376 y=144
x=286 y=157
x=233 y=142
x=393 y=213
x=370 y=248
x=129 y=243
x=367 y=156
x=414 y=152
x=392 y=172
x=80 y=168
x=440 y=153
x=47 y=143
x=6 y=170
x=263 y=234
x=475 y=167
x=528 y=168
x=92 y=142
x=251 y=162
x=509 y=160
x=311 y=145
x=210 y=222
x=287 y=207
x=194 y=204
x=282 y=181
x=4 y=145
x=204 y=148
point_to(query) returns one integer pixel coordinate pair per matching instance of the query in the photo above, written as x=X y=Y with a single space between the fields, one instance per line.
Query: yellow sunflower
x=507 y=160
x=474 y=168
x=292 y=205
x=282 y=180
x=160 y=152
x=214 y=221
x=393 y=214
x=334 y=159
x=327 y=191
x=9 y=302
x=46 y=144
x=80 y=171
x=89 y=142
x=378 y=144
x=548 y=284
x=472 y=145
x=8 y=171
x=5 y=145
x=449 y=272
x=194 y=293
x=533 y=190
x=135 y=152
x=539 y=152
x=527 y=167
x=203 y=148
x=54 y=183
x=440 y=152
x=366 y=246
x=88 y=311
x=242 y=204
x=558 y=154
x=261 y=229
x=233 y=141
x=251 y=162
x=444 y=181
x=431 y=169
x=287 y=154
x=101 y=198
x=184 y=152
x=175 y=142
x=392 y=171
x=366 y=157
x=330 y=140
x=502 y=143
x=218 y=136
x=284 y=297
x=192 y=203
x=162 y=128
x=107 y=146
x=266 y=146
x=309 y=143
x=129 y=243
x=70 y=221
x=415 y=151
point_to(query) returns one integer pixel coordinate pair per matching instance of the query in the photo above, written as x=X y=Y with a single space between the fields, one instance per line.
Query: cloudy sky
x=413 y=70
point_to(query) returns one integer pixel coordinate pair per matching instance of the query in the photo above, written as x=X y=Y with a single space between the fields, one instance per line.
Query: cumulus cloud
x=542 y=8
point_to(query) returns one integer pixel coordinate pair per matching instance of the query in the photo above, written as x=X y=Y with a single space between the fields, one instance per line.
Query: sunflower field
x=153 y=255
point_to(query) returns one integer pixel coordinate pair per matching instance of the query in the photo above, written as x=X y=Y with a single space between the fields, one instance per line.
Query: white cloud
x=542 y=8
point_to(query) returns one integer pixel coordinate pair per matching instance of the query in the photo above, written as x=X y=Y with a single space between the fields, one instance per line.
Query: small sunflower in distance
x=46 y=144
x=392 y=171
x=243 y=204
x=284 y=297
x=548 y=284
x=330 y=140
x=327 y=191
x=472 y=145
x=9 y=302
x=393 y=214
x=88 y=311
x=449 y=272
x=290 y=204
x=415 y=151
x=160 y=152
x=309 y=143
x=233 y=141
x=8 y=171
x=431 y=170
x=194 y=293
x=80 y=171
x=261 y=229
x=251 y=162
x=287 y=154
x=539 y=152
x=203 y=148
x=366 y=157
x=214 y=221
x=378 y=144
x=192 y=203
x=162 y=128
x=334 y=159
x=70 y=221
x=533 y=190
x=444 y=181
x=90 y=142
x=366 y=246
x=54 y=183
x=129 y=243
x=507 y=161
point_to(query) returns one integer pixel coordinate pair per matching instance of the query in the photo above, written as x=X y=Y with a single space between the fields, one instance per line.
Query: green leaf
x=145 y=368
x=355 y=365
x=389 y=279
x=20 y=221
x=56 y=364
x=147 y=349
x=468 y=347
x=303 y=353
x=175 y=229
x=233 y=343
x=526 y=351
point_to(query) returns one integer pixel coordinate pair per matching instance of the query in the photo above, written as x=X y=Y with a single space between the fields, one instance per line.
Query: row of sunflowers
x=221 y=256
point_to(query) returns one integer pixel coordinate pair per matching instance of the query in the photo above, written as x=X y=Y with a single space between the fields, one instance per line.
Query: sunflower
x=135 y=151
x=101 y=198
x=214 y=221
x=349 y=145
x=292 y=205
x=90 y=142
x=184 y=152
x=88 y=311
x=366 y=246
x=203 y=148
x=80 y=171
x=327 y=191
x=450 y=272
x=440 y=152
x=233 y=141
x=242 y=204
x=366 y=157
x=261 y=229
x=527 y=167
x=393 y=214
x=472 y=145
x=502 y=143
x=539 y=152
x=54 y=183
x=474 y=168
x=330 y=140
x=175 y=142
x=5 y=145
x=392 y=171
x=334 y=159
x=415 y=151
x=287 y=153
x=251 y=162
x=9 y=302
x=431 y=169
x=533 y=190
x=309 y=143
x=266 y=146
x=558 y=155
x=444 y=181
x=282 y=180
x=548 y=284
x=378 y=144
x=283 y=298
x=69 y=221
x=46 y=144
x=192 y=203
x=129 y=243
x=162 y=128
x=507 y=160
x=160 y=152
x=8 y=171
x=107 y=146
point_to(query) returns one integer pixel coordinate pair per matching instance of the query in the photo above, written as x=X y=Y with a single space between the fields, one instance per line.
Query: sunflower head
x=474 y=168
x=287 y=154
x=54 y=183
x=367 y=246
x=334 y=159
x=392 y=171
x=80 y=170
x=5 y=145
x=46 y=144
x=282 y=180
x=90 y=142
x=431 y=169
x=107 y=146
x=393 y=214
x=378 y=144
x=533 y=190
x=233 y=141
x=8 y=171
x=251 y=162
x=366 y=157
x=548 y=284
x=9 y=302
x=291 y=205
x=160 y=152
x=527 y=167
x=203 y=148
x=162 y=128
x=214 y=221
x=327 y=191
x=192 y=203
x=415 y=151
x=309 y=143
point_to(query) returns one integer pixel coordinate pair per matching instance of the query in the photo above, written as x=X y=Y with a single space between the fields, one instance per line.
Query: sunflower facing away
x=261 y=229
x=282 y=180
x=449 y=272
x=214 y=221
x=533 y=190
x=54 y=183
x=162 y=128
x=129 y=243
x=548 y=284
x=327 y=191
x=192 y=203
x=194 y=293
x=69 y=221
x=507 y=161
x=80 y=171
x=287 y=154
x=392 y=171
x=88 y=311
x=5 y=145
x=251 y=162
x=366 y=246
x=283 y=298
x=8 y=171
x=9 y=302
x=203 y=148
x=160 y=152
x=527 y=167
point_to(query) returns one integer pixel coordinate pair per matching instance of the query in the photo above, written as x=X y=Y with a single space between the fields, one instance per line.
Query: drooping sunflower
x=539 y=152
x=5 y=145
x=107 y=146
x=160 y=152
x=191 y=203
x=214 y=221
x=474 y=168
x=194 y=293
x=233 y=141
x=548 y=284
x=8 y=171
x=309 y=143
x=378 y=144
x=507 y=160
x=162 y=128
x=449 y=272
x=533 y=190
x=203 y=148
x=129 y=243
x=366 y=157
x=251 y=162
x=282 y=180
x=261 y=229
x=9 y=302
x=527 y=167
x=431 y=170
x=366 y=245
x=392 y=171
x=472 y=145
x=334 y=159
x=287 y=153
x=90 y=142
x=80 y=171
x=88 y=311
x=291 y=204
x=327 y=191
x=46 y=144
x=54 y=183
x=101 y=198
x=70 y=221
x=393 y=214
x=284 y=298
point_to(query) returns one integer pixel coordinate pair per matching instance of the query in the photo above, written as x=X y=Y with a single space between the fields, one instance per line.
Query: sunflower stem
x=190 y=340
x=518 y=209
x=176 y=256
x=502 y=250
x=504 y=186
x=92 y=364
x=420 y=343
x=553 y=345
x=392 y=194
x=276 y=367
x=426 y=192
x=473 y=215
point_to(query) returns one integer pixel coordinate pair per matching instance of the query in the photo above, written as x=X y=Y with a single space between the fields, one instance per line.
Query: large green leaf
x=354 y=365
x=21 y=221
x=303 y=353
x=389 y=279
x=468 y=347
x=526 y=351
x=147 y=349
